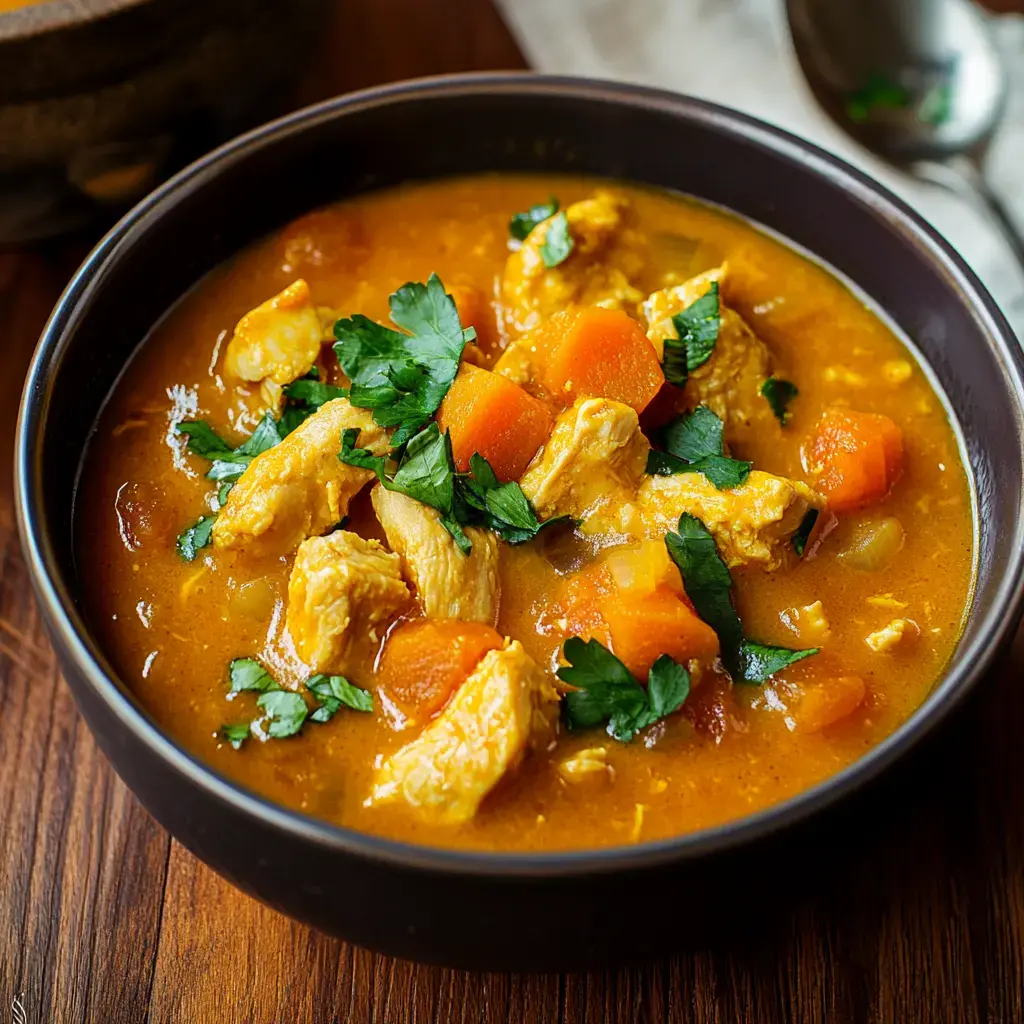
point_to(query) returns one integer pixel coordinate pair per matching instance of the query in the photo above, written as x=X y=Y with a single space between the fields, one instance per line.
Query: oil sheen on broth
x=881 y=593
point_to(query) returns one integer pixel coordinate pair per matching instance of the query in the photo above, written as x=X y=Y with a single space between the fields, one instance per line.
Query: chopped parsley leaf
x=800 y=538
x=779 y=394
x=236 y=733
x=607 y=692
x=195 y=537
x=693 y=444
x=334 y=691
x=522 y=224
x=402 y=378
x=697 y=329
x=708 y=585
x=249 y=674
x=304 y=397
x=558 y=241
x=482 y=500
x=284 y=711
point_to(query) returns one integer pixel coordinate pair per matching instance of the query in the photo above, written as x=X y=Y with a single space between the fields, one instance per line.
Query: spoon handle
x=966 y=177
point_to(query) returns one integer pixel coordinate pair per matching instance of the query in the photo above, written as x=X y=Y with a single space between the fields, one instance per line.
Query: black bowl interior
x=519 y=123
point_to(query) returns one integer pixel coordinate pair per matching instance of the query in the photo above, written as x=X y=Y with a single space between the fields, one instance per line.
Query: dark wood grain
x=103 y=918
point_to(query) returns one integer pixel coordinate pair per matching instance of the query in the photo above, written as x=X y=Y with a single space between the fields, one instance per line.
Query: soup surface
x=698 y=630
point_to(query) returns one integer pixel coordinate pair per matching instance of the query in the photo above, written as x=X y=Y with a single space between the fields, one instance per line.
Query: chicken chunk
x=729 y=383
x=505 y=707
x=608 y=254
x=588 y=765
x=595 y=458
x=341 y=589
x=448 y=584
x=809 y=622
x=277 y=342
x=298 y=488
x=889 y=637
x=752 y=524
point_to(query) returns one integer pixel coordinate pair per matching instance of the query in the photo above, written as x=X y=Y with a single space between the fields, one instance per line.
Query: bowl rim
x=73 y=635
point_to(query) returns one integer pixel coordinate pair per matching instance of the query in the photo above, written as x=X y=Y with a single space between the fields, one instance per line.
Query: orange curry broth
x=171 y=627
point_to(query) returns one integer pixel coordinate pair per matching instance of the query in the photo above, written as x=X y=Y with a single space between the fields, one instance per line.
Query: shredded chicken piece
x=607 y=255
x=341 y=588
x=277 y=342
x=808 y=622
x=298 y=488
x=596 y=456
x=448 y=583
x=587 y=765
x=752 y=524
x=888 y=637
x=507 y=706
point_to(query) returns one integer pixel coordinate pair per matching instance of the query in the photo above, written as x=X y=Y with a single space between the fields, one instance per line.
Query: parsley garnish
x=522 y=224
x=607 y=692
x=697 y=329
x=799 y=539
x=558 y=241
x=235 y=733
x=334 y=691
x=304 y=397
x=481 y=499
x=402 y=378
x=779 y=394
x=693 y=444
x=284 y=713
x=249 y=674
x=229 y=463
x=195 y=537
x=708 y=585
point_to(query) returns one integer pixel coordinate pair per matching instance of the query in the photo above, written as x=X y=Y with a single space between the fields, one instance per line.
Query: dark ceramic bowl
x=99 y=99
x=542 y=909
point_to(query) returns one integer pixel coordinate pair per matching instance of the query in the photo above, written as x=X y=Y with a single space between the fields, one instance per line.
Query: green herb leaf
x=223 y=491
x=333 y=692
x=249 y=674
x=803 y=533
x=761 y=661
x=697 y=329
x=668 y=686
x=236 y=734
x=558 y=241
x=708 y=585
x=404 y=377
x=284 y=712
x=204 y=441
x=694 y=443
x=361 y=457
x=195 y=537
x=522 y=224
x=607 y=691
x=314 y=392
x=779 y=394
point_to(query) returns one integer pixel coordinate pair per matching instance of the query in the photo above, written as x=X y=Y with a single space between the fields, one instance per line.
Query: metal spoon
x=917 y=82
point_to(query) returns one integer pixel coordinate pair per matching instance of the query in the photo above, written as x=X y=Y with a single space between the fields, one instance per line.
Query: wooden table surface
x=103 y=917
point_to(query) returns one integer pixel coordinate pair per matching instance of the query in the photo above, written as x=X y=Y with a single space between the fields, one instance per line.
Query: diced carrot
x=642 y=628
x=489 y=414
x=603 y=353
x=824 y=704
x=860 y=455
x=426 y=660
x=475 y=311
x=638 y=613
x=643 y=568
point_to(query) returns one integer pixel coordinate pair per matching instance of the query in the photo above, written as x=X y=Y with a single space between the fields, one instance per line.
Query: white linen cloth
x=738 y=53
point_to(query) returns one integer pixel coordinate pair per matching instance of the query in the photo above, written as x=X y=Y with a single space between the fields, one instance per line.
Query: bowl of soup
x=453 y=539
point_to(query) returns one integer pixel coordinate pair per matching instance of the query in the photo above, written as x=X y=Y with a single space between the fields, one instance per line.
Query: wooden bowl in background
x=99 y=99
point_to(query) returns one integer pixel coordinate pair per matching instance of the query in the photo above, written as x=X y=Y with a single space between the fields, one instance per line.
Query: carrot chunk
x=426 y=660
x=644 y=627
x=602 y=353
x=860 y=455
x=824 y=704
x=636 y=612
x=489 y=414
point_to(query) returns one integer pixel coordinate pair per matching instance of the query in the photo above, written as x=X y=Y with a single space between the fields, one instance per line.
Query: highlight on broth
x=525 y=513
